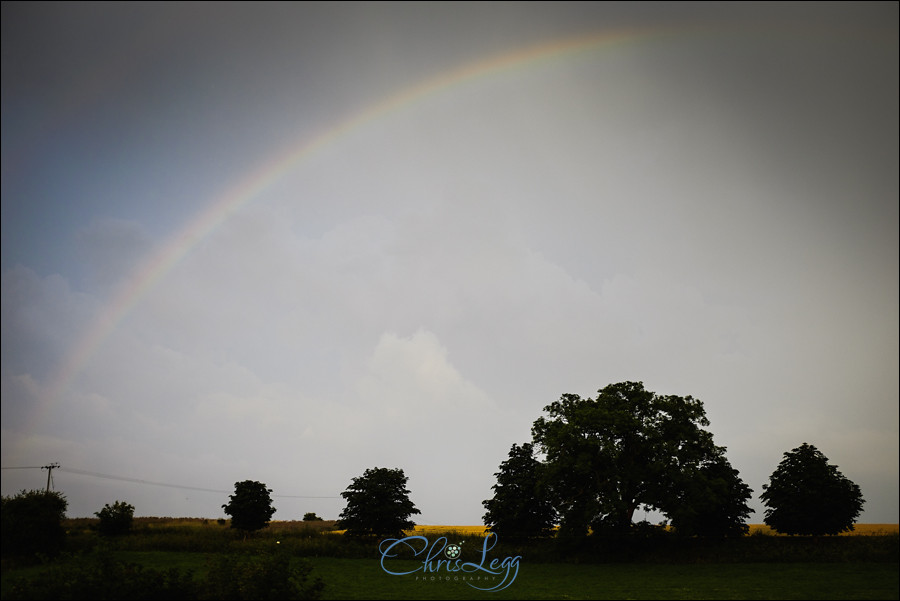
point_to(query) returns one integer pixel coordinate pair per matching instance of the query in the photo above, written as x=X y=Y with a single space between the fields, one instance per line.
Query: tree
x=711 y=501
x=520 y=507
x=378 y=504
x=115 y=519
x=250 y=507
x=629 y=447
x=311 y=517
x=807 y=495
x=32 y=522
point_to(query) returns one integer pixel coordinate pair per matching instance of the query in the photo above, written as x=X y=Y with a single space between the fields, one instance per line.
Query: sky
x=291 y=242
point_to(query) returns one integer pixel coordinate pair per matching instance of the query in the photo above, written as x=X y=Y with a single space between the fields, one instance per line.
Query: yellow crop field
x=470 y=530
x=858 y=530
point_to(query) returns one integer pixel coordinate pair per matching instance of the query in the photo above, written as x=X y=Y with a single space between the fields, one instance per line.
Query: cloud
x=111 y=250
x=41 y=317
x=410 y=377
x=416 y=411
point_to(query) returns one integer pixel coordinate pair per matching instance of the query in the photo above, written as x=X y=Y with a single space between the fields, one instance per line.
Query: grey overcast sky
x=289 y=242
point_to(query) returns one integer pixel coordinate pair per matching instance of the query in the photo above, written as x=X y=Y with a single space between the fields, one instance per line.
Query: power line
x=178 y=486
x=138 y=480
x=152 y=483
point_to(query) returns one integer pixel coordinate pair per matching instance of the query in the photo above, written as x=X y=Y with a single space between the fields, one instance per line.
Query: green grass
x=752 y=567
x=364 y=579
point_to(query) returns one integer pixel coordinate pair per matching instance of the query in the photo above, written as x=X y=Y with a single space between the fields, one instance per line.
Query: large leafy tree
x=807 y=495
x=378 y=504
x=520 y=507
x=629 y=447
x=250 y=507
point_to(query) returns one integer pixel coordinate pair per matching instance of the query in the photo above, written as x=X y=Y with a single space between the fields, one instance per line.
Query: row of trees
x=378 y=504
x=593 y=463
x=604 y=458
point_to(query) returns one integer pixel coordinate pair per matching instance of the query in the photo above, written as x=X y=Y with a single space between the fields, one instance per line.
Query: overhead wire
x=153 y=483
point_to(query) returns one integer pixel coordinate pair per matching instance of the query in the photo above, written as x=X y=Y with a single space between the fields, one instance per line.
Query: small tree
x=519 y=507
x=806 y=495
x=378 y=504
x=32 y=522
x=250 y=507
x=115 y=519
x=311 y=517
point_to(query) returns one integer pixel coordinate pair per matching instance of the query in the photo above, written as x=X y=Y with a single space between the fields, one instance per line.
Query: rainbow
x=251 y=186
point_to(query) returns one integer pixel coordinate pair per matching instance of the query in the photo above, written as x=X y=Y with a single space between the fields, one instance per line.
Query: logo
x=453 y=551
x=441 y=561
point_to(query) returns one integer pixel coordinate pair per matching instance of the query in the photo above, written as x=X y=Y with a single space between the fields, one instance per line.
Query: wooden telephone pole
x=49 y=469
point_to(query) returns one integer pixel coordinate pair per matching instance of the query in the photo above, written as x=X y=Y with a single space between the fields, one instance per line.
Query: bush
x=32 y=523
x=230 y=577
x=116 y=519
x=311 y=517
x=105 y=578
x=268 y=576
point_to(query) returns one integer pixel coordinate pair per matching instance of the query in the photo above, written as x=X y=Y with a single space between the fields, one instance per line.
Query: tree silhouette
x=710 y=501
x=32 y=523
x=250 y=507
x=520 y=507
x=115 y=519
x=378 y=504
x=629 y=447
x=807 y=495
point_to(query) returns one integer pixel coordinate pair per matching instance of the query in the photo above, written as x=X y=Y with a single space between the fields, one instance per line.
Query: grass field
x=759 y=566
x=364 y=579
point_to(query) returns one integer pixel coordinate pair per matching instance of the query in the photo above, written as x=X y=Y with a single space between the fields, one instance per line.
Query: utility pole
x=49 y=469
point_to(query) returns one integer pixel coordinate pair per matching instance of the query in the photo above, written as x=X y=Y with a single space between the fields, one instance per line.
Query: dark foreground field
x=753 y=567
x=364 y=579
x=361 y=579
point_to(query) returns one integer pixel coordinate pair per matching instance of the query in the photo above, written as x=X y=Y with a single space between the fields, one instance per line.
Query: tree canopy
x=520 y=506
x=378 y=504
x=710 y=500
x=250 y=507
x=807 y=495
x=32 y=522
x=629 y=447
x=115 y=519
